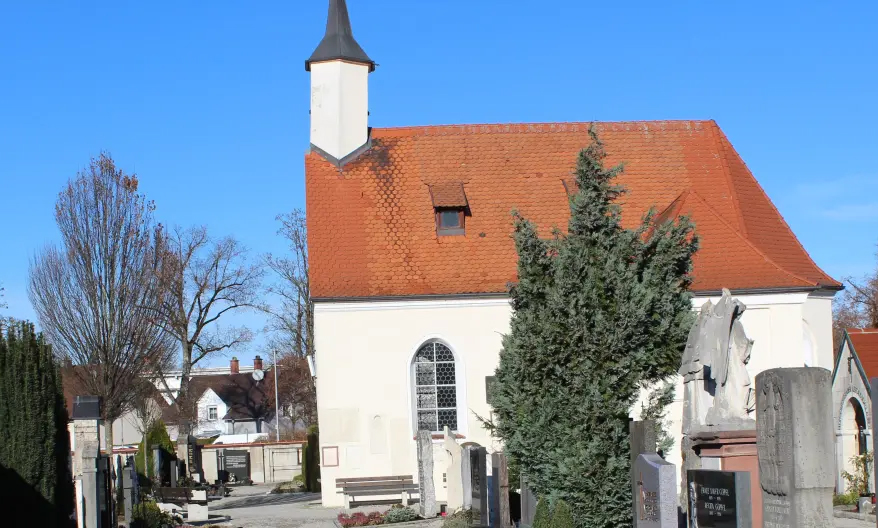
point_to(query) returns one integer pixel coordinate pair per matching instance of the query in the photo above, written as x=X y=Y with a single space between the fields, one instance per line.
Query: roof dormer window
x=450 y=206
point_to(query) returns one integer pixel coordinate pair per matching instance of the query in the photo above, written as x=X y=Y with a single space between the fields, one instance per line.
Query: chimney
x=339 y=91
x=257 y=363
x=234 y=366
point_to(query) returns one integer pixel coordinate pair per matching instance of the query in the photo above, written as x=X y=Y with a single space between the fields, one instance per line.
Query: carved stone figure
x=718 y=390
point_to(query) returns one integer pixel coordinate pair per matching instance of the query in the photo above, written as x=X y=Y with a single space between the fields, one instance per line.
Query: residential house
x=410 y=255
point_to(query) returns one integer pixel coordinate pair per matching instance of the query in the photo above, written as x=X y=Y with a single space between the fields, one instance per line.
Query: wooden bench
x=180 y=496
x=402 y=485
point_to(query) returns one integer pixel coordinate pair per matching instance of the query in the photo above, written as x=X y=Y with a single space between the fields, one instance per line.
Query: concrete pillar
x=87 y=439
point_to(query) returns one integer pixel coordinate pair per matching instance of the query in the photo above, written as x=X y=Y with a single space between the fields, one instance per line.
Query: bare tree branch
x=857 y=306
x=93 y=294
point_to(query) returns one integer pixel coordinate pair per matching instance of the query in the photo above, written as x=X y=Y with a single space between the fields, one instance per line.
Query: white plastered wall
x=364 y=352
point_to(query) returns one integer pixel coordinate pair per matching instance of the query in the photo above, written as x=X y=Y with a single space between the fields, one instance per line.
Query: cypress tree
x=34 y=442
x=562 y=516
x=543 y=514
x=597 y=312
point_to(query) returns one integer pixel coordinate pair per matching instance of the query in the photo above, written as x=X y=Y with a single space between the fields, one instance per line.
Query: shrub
x=148 y=515
x=156 y=436
x=845 y=499
x=395 y=515
x=292 y=486
x=598 y=311
x=360 y=519
x=543 y=515
x=858 y=481
x=562 y=518
x=459 y=519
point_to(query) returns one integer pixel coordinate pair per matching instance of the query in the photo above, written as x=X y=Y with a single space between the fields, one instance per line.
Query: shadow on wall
x=31 y=508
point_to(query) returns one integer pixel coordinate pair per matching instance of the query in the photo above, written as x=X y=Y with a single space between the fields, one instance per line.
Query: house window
x=212 y=413
x=433 y=370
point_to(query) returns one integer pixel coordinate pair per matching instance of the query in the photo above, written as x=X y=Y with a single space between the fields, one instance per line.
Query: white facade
x=365 y=387
x=211 y=409
x=339 y=106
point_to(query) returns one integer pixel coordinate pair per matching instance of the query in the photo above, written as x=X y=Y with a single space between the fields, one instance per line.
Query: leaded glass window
x=435 y=388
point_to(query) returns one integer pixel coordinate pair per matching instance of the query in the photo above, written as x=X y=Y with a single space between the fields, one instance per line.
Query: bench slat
x=372 y=479
x=382 y=492
x=385 y=484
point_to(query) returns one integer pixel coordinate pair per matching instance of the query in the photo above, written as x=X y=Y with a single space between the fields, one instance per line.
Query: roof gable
x=864 y=344
x=372 y=231
x=846 y=344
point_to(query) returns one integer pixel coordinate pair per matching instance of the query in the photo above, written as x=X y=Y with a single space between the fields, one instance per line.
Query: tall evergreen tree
x=597 y=312
x=34 y=443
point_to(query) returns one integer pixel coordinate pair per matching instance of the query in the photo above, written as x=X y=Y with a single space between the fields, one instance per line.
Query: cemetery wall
x=364 y=381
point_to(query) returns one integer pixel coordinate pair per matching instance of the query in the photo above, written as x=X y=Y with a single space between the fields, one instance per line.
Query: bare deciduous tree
x=93 y=294
x=857 y=306
x=292 y=320
x=298 y=400
x=204 y=280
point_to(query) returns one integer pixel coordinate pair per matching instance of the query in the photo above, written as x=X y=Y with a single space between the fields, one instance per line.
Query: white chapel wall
x=364 y=390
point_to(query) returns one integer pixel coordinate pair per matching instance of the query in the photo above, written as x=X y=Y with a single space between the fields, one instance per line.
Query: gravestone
x=426 y=486
x=528 y=503
x=500 y=473
x=466 y=480
x=655 y=492
x=479 y=484
x=795 y=444
x=237 y=464
x=642 y=436
x=719 y=499
x=86 y=457
x=453 y=475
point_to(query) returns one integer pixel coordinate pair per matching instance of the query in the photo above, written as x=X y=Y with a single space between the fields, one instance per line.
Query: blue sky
x=208 y=102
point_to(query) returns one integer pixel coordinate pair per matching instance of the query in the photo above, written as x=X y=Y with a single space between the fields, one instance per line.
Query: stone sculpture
x=717 y=388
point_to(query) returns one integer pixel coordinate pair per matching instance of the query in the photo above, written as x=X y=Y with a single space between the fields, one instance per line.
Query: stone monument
x=453 y=477
x=643 y=441
x=528 y=503
x=719 y=431
x=719 y=499
x=655 y=497
x=479 y=485
x=500 y=500
x=465 y=478
x=796 y=449
x=426 y=487
x=86 y=457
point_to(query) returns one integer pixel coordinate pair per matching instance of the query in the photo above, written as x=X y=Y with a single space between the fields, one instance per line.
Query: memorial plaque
x=719 y=499
x=237 y=463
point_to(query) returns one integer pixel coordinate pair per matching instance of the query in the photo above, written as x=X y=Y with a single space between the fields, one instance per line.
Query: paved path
x=255 y=507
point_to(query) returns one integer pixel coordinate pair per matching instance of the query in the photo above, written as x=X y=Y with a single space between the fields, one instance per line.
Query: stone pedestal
x=731 y=451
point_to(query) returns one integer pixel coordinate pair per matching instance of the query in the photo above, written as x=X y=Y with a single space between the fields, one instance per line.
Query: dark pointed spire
x=339 y=42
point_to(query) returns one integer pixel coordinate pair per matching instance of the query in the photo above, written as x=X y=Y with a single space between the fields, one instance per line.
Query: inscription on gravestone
x=237 y=463
x=719 y=499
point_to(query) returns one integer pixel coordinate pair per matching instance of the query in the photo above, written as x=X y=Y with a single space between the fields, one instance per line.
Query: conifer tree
x=34 y=443
x=598 y=311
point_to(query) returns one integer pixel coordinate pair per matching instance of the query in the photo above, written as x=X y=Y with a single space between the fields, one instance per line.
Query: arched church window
x=435 y=387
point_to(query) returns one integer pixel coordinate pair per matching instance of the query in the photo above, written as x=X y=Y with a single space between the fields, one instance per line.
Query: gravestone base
x=733 y=450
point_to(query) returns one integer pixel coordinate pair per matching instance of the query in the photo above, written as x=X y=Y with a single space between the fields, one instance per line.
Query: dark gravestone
x=500 y=487
x=237 y=463
x=528 y=503
x=479 y=480
x=719 y=499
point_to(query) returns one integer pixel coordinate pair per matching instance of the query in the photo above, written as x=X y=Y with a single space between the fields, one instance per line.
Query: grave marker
x=655 y=496
x=426 y=486
x=719 y=499
x=795 y=446
x=479 y=484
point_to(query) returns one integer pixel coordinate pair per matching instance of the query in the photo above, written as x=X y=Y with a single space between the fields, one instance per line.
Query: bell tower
x=339 y=90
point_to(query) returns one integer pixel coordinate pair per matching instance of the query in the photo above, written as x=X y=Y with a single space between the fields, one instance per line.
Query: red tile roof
x=865 y=343
x=372 y=231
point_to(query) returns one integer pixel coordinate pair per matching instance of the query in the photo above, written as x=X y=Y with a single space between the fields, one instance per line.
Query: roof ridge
x=728 y=145
x=855 y=330
x=747 y=241
x=520 y=127
x=721 y=151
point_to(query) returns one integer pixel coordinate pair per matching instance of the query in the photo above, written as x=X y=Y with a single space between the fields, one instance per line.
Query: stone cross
x=795 y=445
x=453 y=477
x=426 y=486
x=719 y=499
x=655 y=496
